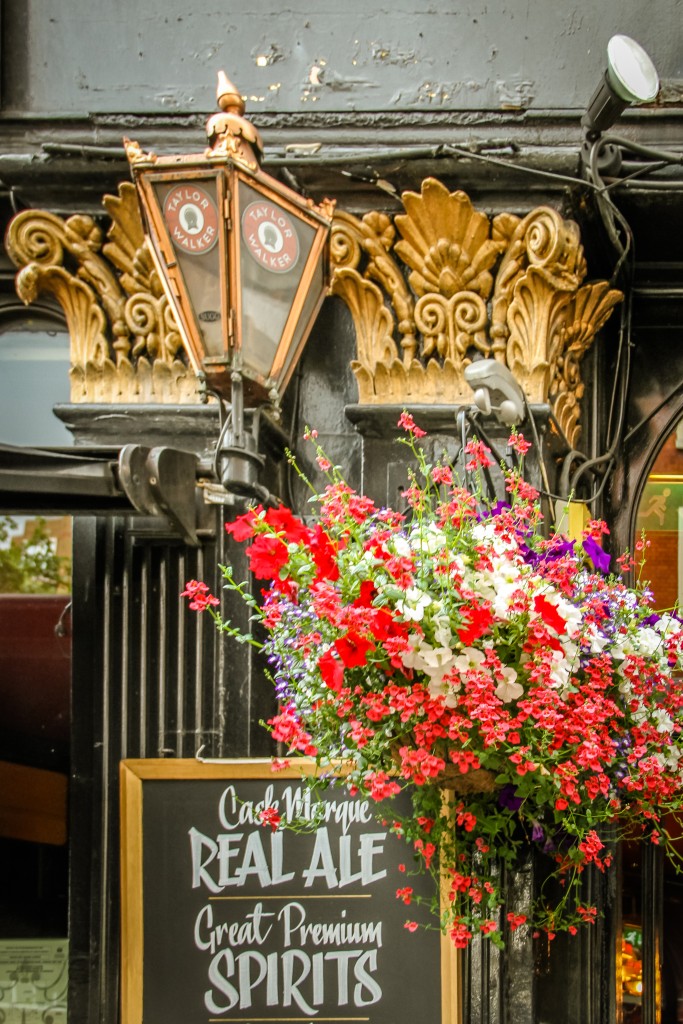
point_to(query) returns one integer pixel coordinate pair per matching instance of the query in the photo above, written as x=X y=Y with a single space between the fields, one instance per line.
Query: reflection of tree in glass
x=191 y=219
x=30 y=565
x=270 y=238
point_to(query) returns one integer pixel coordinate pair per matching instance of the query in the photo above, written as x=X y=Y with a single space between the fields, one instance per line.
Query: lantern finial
x=227 y=95
x=230 y=134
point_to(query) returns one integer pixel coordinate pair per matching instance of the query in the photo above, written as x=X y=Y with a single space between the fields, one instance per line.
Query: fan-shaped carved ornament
x=443 y=282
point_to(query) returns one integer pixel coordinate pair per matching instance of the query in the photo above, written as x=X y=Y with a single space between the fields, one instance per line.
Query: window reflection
x=34 y=377
x=659 y=535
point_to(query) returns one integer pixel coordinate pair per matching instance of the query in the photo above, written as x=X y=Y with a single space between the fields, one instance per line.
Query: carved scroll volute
x=121 y=328
x=36 y=242
x=587 y=313
x=369 y=240
x=542 y=320
x=148 y=316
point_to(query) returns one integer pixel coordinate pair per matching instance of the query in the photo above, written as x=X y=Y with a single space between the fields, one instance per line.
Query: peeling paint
x=345 y=83
x=515 y=95
x=265 y=56
x=435 y=93
x=387 y=55
x=174 y=100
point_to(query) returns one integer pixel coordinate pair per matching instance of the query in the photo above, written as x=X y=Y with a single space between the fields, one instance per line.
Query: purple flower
x=558 y=549
x=598 y=557
x=508 y=798
x=495 y=510
x=537 y=833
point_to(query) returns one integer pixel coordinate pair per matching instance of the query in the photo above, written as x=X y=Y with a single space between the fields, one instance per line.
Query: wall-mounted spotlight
x=630 y=77
x=496 y=392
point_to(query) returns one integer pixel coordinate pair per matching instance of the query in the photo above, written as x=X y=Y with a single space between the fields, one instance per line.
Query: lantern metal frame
x=227 y=173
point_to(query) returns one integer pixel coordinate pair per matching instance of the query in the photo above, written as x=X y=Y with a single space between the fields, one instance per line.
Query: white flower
x=413 y=607
x=401 y=546
x=662 y=720
x=646 y=640
x=507 y=688
x=469 y=658
x=428 y=538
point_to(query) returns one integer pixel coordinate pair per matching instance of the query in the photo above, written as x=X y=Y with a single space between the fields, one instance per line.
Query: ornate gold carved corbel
x=457 y=283
x=125 y=345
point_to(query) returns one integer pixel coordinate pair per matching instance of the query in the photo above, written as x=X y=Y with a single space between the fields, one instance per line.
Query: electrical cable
x=666 y=155
x=610 y=216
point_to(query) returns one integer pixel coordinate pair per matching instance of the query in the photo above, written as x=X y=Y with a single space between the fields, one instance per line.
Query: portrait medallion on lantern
x=192 y=219
x=270 y=236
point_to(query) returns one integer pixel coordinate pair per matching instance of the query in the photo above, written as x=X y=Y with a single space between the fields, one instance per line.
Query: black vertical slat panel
x=652 y=918
x=245 y=697
x=517 y=967
x=164 y=638
x=149 y=679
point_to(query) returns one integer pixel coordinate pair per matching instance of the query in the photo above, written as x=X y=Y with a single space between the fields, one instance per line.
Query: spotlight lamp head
x=630 y=78
x=496 y=392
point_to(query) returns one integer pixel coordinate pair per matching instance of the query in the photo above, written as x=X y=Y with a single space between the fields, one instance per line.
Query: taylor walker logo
x=270 y=236
x=192 y=219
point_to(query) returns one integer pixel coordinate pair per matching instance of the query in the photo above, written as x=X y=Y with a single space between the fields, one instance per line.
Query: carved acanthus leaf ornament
x=443 y=282
x=125 y=346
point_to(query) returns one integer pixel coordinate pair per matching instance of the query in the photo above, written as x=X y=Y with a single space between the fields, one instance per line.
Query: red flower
x=266 y=556
x=243 y=527
x=480 y=455
x=477 y=621
x=517 y=442
x=270 y=818
x=549 y=614
x=353 y=649
x=282 y=520
x=332 y=671
x=324 y=555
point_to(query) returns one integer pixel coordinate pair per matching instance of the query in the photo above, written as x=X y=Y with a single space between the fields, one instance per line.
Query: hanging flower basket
x=525 y=696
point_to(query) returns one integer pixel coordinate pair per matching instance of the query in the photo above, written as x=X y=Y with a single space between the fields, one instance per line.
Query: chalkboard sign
x=225 y=921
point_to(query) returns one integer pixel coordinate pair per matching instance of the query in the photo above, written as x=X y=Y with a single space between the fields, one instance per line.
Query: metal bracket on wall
x=156 y=482
x=159 y=482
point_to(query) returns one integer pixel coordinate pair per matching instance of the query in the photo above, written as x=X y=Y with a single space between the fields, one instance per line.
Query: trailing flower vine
x=522 y=693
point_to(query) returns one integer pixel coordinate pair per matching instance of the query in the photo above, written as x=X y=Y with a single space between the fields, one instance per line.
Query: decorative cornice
x=431 y=288
x=125 y=346
x=428 y=290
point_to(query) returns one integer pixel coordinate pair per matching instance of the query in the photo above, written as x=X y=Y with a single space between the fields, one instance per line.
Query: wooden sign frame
x=133 y=776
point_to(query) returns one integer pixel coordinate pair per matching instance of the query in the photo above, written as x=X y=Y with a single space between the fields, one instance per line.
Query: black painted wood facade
x=150 y=679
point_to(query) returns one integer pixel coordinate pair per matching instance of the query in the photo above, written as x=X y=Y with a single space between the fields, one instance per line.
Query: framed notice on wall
x=225 y=921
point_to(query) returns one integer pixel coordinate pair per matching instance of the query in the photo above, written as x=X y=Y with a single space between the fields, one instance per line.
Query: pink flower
x=407 y=422
x=518 y=444
x=480 y=455
x=200 y=598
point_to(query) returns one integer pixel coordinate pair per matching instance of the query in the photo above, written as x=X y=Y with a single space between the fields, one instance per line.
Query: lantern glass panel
x=314 y=295
x=274 y=249
x=190 y=212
